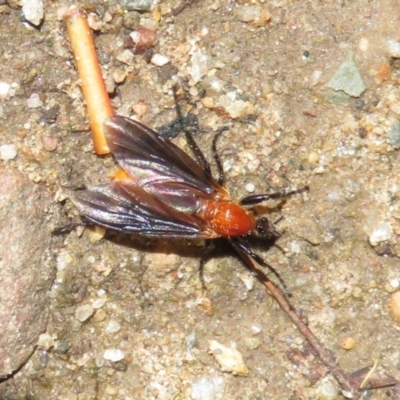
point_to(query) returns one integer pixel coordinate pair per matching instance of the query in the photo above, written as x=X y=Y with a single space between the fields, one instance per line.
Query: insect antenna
x=245 y=251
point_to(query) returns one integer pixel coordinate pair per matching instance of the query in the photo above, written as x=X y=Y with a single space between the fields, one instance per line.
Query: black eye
x=262 y=226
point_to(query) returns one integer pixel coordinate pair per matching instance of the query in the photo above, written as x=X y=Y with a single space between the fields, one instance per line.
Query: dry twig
x=94 y=91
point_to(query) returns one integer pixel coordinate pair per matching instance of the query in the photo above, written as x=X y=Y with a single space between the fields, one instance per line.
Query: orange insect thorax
x=229 y=219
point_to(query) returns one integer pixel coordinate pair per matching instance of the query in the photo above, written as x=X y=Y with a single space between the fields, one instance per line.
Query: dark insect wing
x=154 y=162
x=162 y=192
x=125 y=207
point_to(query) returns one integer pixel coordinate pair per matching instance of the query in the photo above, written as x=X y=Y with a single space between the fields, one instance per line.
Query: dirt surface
x=142 y=299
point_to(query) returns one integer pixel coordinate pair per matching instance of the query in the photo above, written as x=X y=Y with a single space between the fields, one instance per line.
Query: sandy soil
x=293 y=131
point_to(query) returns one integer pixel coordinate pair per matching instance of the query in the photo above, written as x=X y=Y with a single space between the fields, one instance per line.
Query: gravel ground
x=127 y=318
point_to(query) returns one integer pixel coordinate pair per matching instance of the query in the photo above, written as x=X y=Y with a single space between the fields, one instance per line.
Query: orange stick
x=94 y=91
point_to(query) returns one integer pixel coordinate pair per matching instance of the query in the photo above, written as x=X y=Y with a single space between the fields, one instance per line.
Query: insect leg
x=259 y=198
x=208 y=248
x=242 y=247
x=221 y=176
x=191 y=142
x=172 y=129
x=69 y=227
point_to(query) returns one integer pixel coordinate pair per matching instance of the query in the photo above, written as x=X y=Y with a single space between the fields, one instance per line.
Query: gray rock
x=27 y=272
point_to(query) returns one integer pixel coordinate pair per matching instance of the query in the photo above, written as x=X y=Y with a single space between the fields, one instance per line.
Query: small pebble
x=8 y=152
x=34 y=101
x=4 y=89
x=138 y=5
x=83 y=313
x=119 y=76
x=229 y=359
x=113 y=355
x=95 y=22
x=315 y=77
x=347 y=78
x=348 y=343
x=295 y=247
x=394 y=283
x=159 y=60
x=213 y=86
x=380 y=233
x=199 y=64
x=393 y=48
x=50 y=143
x=252 y=342
x=33 y=11
x=139 y=109
x=63 y=260
x=149 y=23
x=96 y=233
x=46 y=341
x=247 y=13
x=250 y=187
x=126 y=57
x=394 y=304
x=327 y=389
x=144 y=39
x=394 y=135
x=131 y=20
x=111 y=390
x=98 y=303
x=313 y=157
x=256 y=329
x=234 y=105
x=363 y=44
x=99 y=316
x=208 y=102
x=208 y=388
x=248 y=280
x=113 y=327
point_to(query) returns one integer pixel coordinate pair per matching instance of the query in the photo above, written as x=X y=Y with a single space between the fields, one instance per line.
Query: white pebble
x=295 y=247
x=98 y=303
x=34 y=101
x=247 y=13
x=208 y=388
x=4 y=89
x=46 y=341
x=113 y=355
x=83 y=313
x=228 y=358
x=63 y=260
x=234 y=105
x=126 y=57
x=250 y=187
x=315 y=77
x=363 y=44
x=113 y=327
x=393 y=48
x=248 y=280
x=200 y=64
x=256 y=329
x=8 y=152
x=394 y=283
x=33 y=11
x=327 y=389
x=159 y=60
x=381 y=232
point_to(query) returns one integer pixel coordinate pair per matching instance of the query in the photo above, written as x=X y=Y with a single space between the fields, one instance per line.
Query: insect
x=160 y=191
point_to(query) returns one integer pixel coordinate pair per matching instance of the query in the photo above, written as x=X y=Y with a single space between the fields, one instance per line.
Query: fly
x=160 y=191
